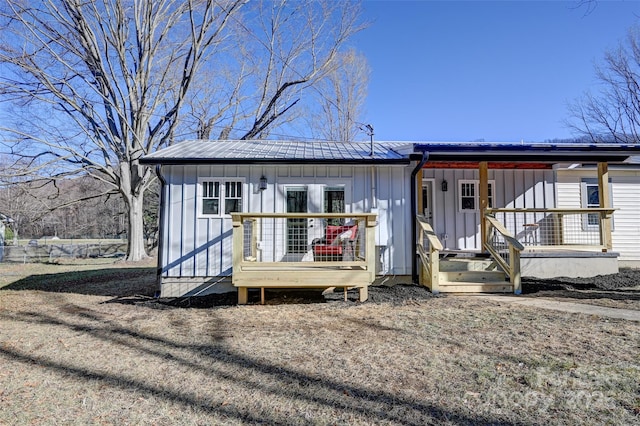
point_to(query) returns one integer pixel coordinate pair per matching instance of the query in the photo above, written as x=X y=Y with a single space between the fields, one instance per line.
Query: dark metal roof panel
x=269 y=151
x=542 y=152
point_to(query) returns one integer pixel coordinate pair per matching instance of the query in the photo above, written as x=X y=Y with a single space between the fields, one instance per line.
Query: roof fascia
x=267 y=161
x=536 y=152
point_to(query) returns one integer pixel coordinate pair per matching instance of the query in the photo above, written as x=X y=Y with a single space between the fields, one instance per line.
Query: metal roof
x=270 y=151
x=526 y=151
x=293 y=152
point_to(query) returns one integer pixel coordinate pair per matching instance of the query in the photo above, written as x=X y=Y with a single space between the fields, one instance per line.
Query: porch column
x=419 y=192
x=605 y=202
x=484 y=201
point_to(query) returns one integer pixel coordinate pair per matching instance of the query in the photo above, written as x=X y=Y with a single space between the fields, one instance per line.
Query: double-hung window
x=219 y=197
x=590 y=196
x=469 y=195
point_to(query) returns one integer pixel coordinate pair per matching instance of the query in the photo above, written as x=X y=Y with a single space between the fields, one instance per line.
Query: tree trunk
x=135 y=244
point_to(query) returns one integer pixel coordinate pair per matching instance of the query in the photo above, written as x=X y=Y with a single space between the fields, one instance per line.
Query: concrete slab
x=580 y=308
x=544 y=265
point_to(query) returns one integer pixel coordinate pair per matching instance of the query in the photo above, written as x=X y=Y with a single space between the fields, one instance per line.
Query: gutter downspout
x=161 y=217
x=414 y=207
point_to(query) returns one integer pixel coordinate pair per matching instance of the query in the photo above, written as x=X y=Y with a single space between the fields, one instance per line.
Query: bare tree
x=52 y=209
x=98 y=84
x=612 y=113
x=341 y=96
x=285 y=49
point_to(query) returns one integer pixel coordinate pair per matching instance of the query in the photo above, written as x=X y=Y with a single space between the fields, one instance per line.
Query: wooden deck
x=255 y=266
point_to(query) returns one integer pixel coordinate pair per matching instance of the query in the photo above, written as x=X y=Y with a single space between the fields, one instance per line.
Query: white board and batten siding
x=197 y=250
x=513 y=188
x=625 y=198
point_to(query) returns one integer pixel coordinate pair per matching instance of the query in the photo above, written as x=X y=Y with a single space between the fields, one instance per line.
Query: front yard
x=84 y=357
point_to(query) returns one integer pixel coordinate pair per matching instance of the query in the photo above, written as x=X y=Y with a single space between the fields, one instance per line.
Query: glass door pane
x=297 y=232
x=334 y=203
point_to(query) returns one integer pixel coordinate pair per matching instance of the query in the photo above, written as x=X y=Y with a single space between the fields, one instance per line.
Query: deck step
x=466 y=264
x=468 y=287
x=472 y=276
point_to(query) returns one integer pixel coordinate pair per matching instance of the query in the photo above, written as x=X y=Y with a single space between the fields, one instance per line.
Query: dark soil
x=405 y=293
x=624 y=279
x=397 y=295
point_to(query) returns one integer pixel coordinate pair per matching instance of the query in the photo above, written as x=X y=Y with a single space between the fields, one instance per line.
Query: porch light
x=444 y=186
x=263 y=183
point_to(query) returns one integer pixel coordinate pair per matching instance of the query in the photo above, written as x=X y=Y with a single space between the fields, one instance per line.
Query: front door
x=427 y=200
x=297 y=231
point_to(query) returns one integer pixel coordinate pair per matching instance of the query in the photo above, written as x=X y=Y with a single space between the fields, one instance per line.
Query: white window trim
x=476 y=202
x=586 y=226
x=222 y=181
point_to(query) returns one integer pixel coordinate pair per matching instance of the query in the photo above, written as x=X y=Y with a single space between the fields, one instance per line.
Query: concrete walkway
x=580 y=308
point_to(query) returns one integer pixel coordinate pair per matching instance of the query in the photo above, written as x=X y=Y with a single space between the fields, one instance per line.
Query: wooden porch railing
x=505 y=250
x=558 y=228
x=428 y=248
x=303 y=250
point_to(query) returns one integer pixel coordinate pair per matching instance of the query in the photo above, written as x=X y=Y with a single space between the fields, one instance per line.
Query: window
x=334 y=203
x=469 y=195
x=590 y=196
x=219 y=195
x=592 y=201
x=232 y=197
x=210 y=198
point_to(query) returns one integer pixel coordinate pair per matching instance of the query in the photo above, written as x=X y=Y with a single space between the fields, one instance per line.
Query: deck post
x=243 y=295
x=434 y=269
x=236 y=255
x=363 y=293
x=484 y=201
x=605 y=202
x=515 y=275
x=370 y=223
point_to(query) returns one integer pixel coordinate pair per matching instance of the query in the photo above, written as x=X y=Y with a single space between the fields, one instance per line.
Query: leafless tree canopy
x=341 y=97
x=95 y=85
x=611 y=113
x=52 y=209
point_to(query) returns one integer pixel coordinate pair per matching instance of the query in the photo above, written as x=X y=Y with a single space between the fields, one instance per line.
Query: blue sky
x=498 y=71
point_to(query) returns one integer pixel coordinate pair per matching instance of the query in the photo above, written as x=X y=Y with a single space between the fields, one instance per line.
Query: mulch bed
x=626 y=278
x=577 y=288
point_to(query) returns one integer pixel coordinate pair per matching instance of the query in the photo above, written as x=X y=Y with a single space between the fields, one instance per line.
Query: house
x=576 y=187
x=270 y=211
x=311 y=182
x=522 y=191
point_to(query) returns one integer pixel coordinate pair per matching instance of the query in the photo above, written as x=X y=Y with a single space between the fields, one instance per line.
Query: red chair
x=338 y=243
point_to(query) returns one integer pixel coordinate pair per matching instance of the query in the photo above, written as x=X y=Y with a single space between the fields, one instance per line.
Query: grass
x=79 y=357
x=106 y=277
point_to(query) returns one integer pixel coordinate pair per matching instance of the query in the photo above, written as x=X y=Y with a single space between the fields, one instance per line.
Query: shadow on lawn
x=259 y=378
x=116 y=282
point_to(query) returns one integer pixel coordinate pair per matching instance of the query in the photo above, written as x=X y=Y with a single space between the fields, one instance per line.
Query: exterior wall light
x=263 y=183
x=444 y=186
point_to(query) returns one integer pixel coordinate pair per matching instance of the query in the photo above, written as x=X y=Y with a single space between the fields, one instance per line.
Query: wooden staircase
x=472 y=275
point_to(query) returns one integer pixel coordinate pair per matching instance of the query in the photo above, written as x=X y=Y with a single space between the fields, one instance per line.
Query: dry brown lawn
x=79 y=357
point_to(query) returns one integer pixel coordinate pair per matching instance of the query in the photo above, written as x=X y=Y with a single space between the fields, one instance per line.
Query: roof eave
x=528 y=157
x=536 y=152
x=276 y=161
